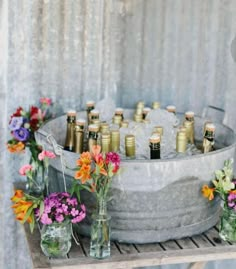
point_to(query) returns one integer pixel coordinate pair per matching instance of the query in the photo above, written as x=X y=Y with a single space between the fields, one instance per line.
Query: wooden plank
x=214 y=238
x=76 y=250
x=186 y=243
x=201 y=241
x=169 y=245
x=126 y=248
x=152 y=247
x=150 y=259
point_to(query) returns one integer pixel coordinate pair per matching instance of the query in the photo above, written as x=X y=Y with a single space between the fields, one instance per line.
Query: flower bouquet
x=225 y=186
x=23 y=124
x=94 y=173
x=56 y=212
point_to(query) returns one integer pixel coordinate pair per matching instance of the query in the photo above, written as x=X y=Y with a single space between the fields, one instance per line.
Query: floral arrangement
x=56 y=207
x=23 y=125
x=224 y=185
x=95 y=170
x=60 y=206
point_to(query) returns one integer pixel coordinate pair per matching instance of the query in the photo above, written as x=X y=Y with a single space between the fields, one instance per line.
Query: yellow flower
x=21 y=208
x=208 y=192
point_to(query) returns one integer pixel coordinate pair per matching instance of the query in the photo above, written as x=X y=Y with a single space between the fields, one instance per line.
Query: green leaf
x=28 y=213
x=32 y=224
x=41 y=208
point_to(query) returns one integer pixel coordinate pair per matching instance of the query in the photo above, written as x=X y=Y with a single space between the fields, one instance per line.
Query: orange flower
x=96 y=149
x=208 y=192
x=100 y=164
x=16 y=148
x=233 y=192
x=21 y=216
x=21 y=208
x=85 y=158
x=83 y=174
x=18 y=195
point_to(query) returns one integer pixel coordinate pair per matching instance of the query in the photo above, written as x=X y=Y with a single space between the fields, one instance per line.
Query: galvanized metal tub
x=153 y=200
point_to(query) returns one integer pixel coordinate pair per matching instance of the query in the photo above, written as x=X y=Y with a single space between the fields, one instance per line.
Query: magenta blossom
x=114 y=159
x=45 y=101
x=59 y=206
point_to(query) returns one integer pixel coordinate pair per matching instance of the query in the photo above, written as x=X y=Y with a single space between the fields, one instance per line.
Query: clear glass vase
x=100 y=232
x=227 y=228
x=56 y=239
x=36 y=183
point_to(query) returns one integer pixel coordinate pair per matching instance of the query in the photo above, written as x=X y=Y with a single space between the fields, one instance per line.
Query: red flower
x=33 y=110
x=34 y=124
x=18 y=112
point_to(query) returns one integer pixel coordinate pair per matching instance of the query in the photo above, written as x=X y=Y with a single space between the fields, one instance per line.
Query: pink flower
x=114 y=158
x=24 y=169
x=45 y=219
x=46 y=101
x=45 y=153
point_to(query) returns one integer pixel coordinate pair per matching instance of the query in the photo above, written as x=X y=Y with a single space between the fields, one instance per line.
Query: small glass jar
x=56 y=239
x=227 y=228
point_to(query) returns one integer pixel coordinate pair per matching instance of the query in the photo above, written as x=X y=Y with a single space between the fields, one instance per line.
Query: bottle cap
x=119 y=111
x=71 y=113
x=146 y=110
x=80 y=122
x=90 y=103
x=210 y=127
x=171 y=108
x=189 y=114
x=155 y=138
x=94 y=112
x=93 y=128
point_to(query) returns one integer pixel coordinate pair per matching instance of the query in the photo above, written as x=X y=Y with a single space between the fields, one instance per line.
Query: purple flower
x=21 y=134
x=59 y=218
x=72 y=201
x=74 y=212
x=16 y=123
x=65 y=208
x=78 y=218
x=83 y=207
x=45 y=219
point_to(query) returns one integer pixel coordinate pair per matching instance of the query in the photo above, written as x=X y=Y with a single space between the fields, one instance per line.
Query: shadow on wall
x=233 y=49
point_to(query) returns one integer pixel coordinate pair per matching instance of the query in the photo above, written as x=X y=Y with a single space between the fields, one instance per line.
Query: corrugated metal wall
x=173 y=51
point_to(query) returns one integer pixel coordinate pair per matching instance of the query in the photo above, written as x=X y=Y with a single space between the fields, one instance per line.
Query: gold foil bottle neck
x=124 y=124
x=156 y=105
x=158 y=129
x=139 y=111
x=115 y=141
x=130 y=146
x=140 y=104
x=104 y=127
x=181 y=142
x=138 y=118
x=117 y=119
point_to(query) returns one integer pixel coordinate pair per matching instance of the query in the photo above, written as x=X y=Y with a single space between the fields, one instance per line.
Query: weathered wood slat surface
x=198 y=248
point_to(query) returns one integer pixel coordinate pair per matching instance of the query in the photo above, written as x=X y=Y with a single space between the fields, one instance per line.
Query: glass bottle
x=71 y=119
x=100 y=231
x=130 y=146
x=155 y=147
x=106 y=142
x=79 y=136
x=189 y=131
x=115 y=140
x=227 y=227
x=92 y=136
x=56 y=239
x=158 y=129
x=209 y=137
x=90 y=106
x=181 y=141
